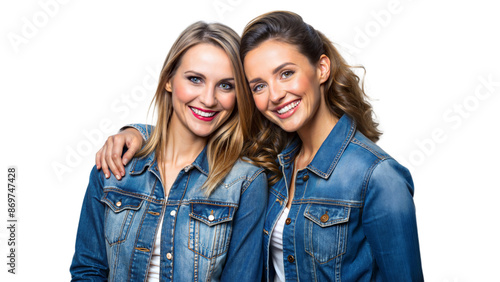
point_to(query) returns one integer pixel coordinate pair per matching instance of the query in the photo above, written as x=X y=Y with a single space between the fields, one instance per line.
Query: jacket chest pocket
x=119 y=215
x=210 y=228
x=325 y=231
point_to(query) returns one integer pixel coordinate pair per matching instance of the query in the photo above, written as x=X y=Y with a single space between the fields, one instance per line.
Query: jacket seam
x=249 y=181
x=135 y=195
x=371 y=150
x=368 y=177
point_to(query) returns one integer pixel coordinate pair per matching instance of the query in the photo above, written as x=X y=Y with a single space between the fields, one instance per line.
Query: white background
x=72 y=72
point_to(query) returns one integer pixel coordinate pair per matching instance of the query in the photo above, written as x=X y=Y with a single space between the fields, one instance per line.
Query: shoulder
x=242 y=168
x=367 y=147
x=246 y=173
x=96 y=178
x=380 y=167
x=136 y=178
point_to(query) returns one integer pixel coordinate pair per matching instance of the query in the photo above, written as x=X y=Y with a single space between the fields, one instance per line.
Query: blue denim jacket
x=215 y=238
x=352 y=217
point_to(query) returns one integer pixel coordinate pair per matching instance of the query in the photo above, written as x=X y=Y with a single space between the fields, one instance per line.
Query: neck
x=182 y=146
x=314 y=133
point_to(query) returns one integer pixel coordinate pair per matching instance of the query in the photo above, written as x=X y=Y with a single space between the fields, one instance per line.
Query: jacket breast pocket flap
x=118 y=202
x=327 y=215
x=212 y=214
x=119 y=215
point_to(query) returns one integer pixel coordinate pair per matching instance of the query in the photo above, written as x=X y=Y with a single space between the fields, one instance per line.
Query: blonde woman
x=339 y=207
x=186 y=207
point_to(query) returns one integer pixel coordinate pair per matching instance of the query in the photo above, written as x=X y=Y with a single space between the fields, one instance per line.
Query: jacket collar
x=138 y=165
x=329 y=153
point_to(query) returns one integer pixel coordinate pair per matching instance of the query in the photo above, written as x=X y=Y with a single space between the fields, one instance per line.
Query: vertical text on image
x=12 y=219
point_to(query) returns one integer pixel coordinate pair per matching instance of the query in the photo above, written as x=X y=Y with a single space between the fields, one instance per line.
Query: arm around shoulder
x=144 y=129
x=390 y=223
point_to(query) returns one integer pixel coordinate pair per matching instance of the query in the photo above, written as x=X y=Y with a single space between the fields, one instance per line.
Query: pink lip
x=290 y=112
x=205 y=111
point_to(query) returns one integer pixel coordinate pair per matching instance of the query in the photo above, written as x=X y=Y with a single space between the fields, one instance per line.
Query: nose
x=276 y=94
x=208 y=98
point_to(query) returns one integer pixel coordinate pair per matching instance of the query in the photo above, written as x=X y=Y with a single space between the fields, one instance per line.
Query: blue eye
x=194 y=79
x=258 y=87
x=286 y=74
x=226 y=86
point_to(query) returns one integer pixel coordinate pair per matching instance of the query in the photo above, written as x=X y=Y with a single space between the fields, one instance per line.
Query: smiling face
x=203 y=93
x=286 y=87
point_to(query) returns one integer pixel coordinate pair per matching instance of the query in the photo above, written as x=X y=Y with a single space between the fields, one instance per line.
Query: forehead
x=270 y=54
x=208 y=59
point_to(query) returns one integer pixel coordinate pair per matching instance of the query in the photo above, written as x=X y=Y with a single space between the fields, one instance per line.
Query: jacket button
x=172 y=213
x=324 y=218
x=119 y=203
x=288 y=221
x=211 y=217
x=169 y=256
x=291 y=258
x=306 y=177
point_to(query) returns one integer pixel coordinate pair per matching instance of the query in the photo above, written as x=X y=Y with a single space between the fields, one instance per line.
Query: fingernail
x=123 y=173
x=118 y=176
x=106 y=175
x=125 y=161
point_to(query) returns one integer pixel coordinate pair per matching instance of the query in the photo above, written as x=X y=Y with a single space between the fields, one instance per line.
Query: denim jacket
x=352 y=217
x=214 y=238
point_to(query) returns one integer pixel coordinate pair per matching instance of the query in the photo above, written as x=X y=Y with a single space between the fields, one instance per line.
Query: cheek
x=260 y=102
x=300 y=85
x=183 y=93
x=227 y=101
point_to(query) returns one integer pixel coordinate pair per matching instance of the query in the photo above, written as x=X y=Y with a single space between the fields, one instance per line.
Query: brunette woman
x=339 y=208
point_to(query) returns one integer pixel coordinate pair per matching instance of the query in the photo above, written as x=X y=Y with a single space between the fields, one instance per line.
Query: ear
x=323 y=68
x=168 y=86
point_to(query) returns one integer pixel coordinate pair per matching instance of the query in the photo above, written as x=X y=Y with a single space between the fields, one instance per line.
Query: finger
x=109 y=157
x=104 y=164
x=98 y=159
x=116 y=154
x=133 y=147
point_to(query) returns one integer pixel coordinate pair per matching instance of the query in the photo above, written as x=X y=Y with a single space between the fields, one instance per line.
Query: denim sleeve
x=390 y=224
x=144 y=129
x=245 y=255
x=90 y=261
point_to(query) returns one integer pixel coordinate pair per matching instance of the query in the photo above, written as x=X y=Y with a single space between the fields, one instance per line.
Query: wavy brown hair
x=225 y=143
x=344 y=93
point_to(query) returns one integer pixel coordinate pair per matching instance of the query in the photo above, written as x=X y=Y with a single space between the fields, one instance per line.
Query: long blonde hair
x=225 y=143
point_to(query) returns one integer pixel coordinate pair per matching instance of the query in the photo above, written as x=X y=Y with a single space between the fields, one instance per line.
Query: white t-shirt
x=154 y=265
x=277 y=247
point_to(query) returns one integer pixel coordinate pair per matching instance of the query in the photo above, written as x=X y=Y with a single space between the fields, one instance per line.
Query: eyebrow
x=275 y=70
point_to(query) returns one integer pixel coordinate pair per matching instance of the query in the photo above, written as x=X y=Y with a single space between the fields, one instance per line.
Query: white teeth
x=288 y=107
x=202 y=113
